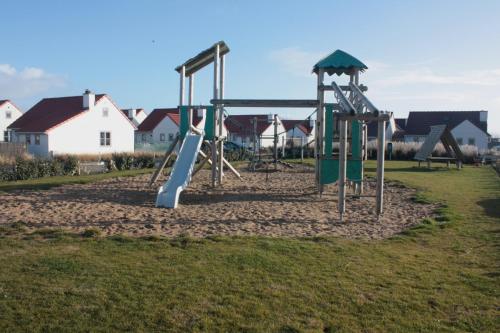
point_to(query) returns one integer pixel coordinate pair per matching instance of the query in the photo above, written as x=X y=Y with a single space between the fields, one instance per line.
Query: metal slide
x=168 y=194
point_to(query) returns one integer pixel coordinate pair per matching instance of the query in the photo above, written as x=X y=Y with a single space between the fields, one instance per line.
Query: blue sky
x=422 y=55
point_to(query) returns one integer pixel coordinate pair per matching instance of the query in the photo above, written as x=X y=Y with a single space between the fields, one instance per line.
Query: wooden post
x=342 y=165
x=380 y=166
x=320 y=129
x=221 y=122
x=190 y=100
x=181 y=90
x=216 y=108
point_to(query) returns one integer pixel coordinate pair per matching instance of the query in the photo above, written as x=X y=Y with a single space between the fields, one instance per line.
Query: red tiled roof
x=50 y=112
x=303 y=125
x=243 y=124
x=401 y=123
x=156 y=116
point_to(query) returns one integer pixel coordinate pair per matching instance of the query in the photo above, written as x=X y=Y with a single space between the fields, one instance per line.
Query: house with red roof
x=161 y=126
x=468 y=127
x=299 y=131
x=137 y=116
x=242 y=129
x=8 y=114
x=87 y=124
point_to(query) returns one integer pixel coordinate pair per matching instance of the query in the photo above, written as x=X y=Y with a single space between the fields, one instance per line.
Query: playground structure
x=443 y=134
x=342 y=121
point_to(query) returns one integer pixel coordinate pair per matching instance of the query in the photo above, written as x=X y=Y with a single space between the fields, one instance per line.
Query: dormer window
x=8 y=114
x=105 y=112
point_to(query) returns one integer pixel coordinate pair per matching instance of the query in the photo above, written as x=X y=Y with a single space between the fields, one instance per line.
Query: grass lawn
x=440 y=276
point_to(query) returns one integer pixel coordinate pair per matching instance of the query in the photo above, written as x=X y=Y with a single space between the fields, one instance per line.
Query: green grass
x=441 y=276
x=48 y=182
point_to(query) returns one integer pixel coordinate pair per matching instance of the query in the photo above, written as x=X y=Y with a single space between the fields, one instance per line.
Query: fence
x=13 y=149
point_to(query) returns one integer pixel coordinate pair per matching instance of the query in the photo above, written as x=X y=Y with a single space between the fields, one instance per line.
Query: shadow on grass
x=491 y=207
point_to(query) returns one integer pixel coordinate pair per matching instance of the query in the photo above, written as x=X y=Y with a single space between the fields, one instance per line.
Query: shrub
x=123 y=161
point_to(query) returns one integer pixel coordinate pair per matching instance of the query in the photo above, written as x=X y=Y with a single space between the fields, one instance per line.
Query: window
x=460 y=141
x=6 y=136
x=472 y=141
x=162 y=137
x=105 y=138
x=37 y=139
x=144 y=138
x=8 y=114
x=170 y=137
x=105 y=112
x=27 y=139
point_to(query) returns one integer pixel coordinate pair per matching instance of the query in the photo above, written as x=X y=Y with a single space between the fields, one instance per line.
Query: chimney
x=88 y=99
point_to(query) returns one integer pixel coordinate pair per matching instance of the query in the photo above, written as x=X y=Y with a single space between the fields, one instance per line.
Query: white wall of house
x=467 y=133
x=296 y=134
x=165 y=131
x=37 y=143
x=414 y=138
x=266 y=140
x=82 y=134
x=8 y=114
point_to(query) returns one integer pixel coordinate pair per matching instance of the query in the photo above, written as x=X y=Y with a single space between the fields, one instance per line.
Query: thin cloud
x=28 y=82
x=295 y=61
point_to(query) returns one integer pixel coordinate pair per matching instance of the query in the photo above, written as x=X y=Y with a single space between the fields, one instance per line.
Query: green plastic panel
x=329 y=166
x=184 y=126
x=209 y=123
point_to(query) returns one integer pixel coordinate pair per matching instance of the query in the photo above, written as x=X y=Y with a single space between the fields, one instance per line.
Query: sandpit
x=280 y=204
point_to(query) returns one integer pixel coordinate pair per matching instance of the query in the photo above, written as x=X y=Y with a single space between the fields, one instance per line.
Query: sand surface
x=277 y=204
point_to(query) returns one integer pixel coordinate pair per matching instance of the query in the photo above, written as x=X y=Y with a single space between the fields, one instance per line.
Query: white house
x=299 y=131
x=161 y=126
x=88 y=124
x=468 y=127
x=391 y=129
x=8 y=114
x=243 y=128
x=137 y=116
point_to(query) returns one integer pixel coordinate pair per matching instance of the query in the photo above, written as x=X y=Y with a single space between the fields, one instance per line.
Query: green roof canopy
x=339 y=62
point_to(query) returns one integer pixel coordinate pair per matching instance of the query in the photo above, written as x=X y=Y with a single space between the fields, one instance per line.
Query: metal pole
x=320 y=129
x=190 y=100
x=342 y=165
x=255 y=137
x=380 y=166
x=275 y=142
x=302 y=149
x=283 y=146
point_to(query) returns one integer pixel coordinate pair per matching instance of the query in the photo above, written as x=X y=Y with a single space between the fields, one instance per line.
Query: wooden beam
x=342 y=99
x=267 y=103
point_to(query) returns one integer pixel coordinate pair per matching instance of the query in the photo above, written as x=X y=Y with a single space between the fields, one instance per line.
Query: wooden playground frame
x=352 y=108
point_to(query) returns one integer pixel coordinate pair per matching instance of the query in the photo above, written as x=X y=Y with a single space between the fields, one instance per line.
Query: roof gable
x=50 y=112
x=155 y=117
x=420 y=122
x=303 y=125
x=243 y=125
